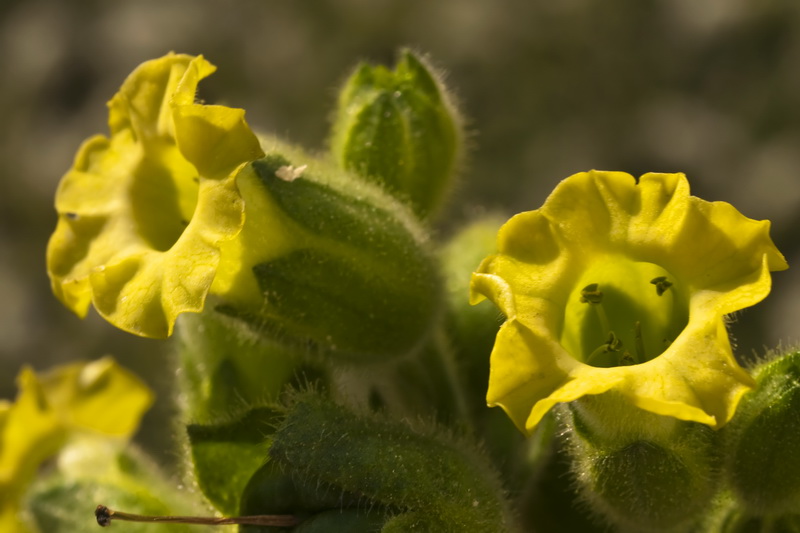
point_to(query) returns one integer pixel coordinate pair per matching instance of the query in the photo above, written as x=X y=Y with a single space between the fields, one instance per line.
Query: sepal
x=762 y=441
x=354 y=277
x=640 y=471
x=423 y=472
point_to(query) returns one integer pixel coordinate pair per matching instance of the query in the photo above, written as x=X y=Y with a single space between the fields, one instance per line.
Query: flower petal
x=518 y=381
x=98 y=397
x=142 y=215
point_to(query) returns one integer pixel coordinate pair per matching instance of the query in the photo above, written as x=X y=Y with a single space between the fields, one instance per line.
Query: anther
x=591 y=294
x=613 y=343
x=662 y=284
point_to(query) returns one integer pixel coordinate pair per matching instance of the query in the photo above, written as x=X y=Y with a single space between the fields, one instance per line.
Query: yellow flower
x=624 y=286
x=98 y=398
x=143 y=214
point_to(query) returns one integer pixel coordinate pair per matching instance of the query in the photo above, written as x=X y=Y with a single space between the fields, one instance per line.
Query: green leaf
x=225 y=456
x=95 y=470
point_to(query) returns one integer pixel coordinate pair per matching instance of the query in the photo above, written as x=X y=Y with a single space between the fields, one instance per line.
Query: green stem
x=447 y=357
x=637 y=329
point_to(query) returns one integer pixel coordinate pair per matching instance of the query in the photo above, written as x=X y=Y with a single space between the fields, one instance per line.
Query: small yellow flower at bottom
x=97 y=398
x=143 y=214
x=619 y=284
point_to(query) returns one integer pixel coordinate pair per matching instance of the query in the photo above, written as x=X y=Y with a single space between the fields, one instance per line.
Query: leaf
x=226 y=455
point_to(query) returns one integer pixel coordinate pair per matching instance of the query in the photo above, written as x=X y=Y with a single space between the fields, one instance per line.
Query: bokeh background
x=549 y=88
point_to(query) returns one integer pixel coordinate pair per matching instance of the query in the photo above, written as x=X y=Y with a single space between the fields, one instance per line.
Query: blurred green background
x=707 y=87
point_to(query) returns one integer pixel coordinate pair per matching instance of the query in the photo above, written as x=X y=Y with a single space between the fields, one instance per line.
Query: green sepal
x=343 y=521
x=275 y=490
x=361 y=284
x=400 y=129
x=727 y=515
x=391 y=464
x=743 y=523
x=763 y=439
x=641 y=471
x=225 y=456
x=97 y=471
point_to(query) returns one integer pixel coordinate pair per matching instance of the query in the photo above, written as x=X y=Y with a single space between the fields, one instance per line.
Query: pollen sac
x=399 y=129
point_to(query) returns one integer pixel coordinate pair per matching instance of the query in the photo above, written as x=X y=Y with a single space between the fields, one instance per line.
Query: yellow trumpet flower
x=618 y=284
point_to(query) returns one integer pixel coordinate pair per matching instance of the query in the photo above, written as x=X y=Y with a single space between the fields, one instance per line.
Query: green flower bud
x=391 y=465
x=729 y=516
x=346 y=521
x=400 y=129
x=473 y=327
x=329 y=263
x=762 y=460
x=740 y=523
x=641 y=471
x=274 y=490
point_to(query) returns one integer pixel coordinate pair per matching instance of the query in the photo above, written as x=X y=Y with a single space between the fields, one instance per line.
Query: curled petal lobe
x=618 y=284
x=143 y=214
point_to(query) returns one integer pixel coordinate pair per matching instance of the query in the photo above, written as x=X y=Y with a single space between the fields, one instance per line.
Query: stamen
x=639 y=341
x=662 y=284
x=104 y=516
x=591 y=294
x=613 y=344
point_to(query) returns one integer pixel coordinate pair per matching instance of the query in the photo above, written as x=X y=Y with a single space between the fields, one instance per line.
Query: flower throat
x=623 y=312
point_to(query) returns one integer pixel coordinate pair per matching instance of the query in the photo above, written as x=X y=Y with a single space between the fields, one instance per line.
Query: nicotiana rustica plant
x=333 y=375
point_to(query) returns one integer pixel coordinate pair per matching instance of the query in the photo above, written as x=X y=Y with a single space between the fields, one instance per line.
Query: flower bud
x=641 y=471
x=473 y=327
x=762 y=463
x=400 y=129
x=730 y=517
x=426 y=473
